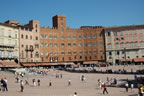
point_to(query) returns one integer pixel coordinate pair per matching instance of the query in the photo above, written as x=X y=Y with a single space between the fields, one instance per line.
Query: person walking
x=75 y=94
x=34 y=82
x=38 y=81
x=105 y=89
x=21 y=85
x=132 y=86
x=26 y=82
x=69 y=82
x=50 y=83
x=5 y=84
x=126 y=86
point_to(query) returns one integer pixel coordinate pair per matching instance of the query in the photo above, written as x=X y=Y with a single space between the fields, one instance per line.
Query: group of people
x=103 y=85
x=3 y=84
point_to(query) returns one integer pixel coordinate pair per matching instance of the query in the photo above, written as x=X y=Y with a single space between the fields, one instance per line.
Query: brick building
x=62 y=44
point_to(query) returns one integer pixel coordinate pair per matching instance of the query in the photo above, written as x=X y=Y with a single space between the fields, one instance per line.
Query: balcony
x=6 y=46
x=29 y=50
x=8 y=57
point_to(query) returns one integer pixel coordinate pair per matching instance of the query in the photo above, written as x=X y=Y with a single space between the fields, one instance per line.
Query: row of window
x=69 y=37
x=71 y=44
x=70 y=53
x=127 y=45
x=130 y=38
x=8 y=42
x=9 y=35
x=3 y=54
x=127 y=32
x=30 y=37
x=30 y=46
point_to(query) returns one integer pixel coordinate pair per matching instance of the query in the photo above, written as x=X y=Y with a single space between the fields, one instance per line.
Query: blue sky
x=78 y=12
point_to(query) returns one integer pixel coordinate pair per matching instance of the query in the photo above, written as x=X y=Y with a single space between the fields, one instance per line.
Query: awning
x=30 y=65
x=138 y=59
x=8 y=64
x=90 y=62
x=124 y=60
x=50 y=64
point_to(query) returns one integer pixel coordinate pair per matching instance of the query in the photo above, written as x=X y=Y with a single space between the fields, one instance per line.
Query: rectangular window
x=141 y=37
x=68 y=37
x=127 y=45
x=74 y=37
x=69 y=53
x=127 y=32
x=9 y=34
x=56 y=53
x=81 y=52
x=89 y=44
x=50 y=44
x=50 y=36
x=75 y=53
x=62 y=30
x=46 y=36
x=62 y=53
x=36 y=46
x=95 y=51
x=101 y=43
x=55 y=37
x=46 y=44
x=94 y=36
x=9 y=42
x=141 y=31
x=121 y=33
x=74 y=44
x=42 y=53
x=62 y=44
x=90 y=52
x=42 y=36
x=100 y=35
x=55 y=44
x=42 y=44
x=2 y=41
x=69 y=44
x=95 y=44
x=109 y=46
x=122 y=45
x=108 y=33
x=89 y=36
x=80 y=44
x=85 y=37
x=46 y=53
x=117 y=45
x=50 y=53
x=16 y=36
x=101 y=51
x=115 y=33
x=80 y=37
x=62 y=37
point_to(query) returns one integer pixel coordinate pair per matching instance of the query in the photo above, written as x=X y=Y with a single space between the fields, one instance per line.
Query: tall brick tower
x=59 y=22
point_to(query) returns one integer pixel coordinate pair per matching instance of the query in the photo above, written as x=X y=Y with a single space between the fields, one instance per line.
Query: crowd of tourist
x=103 y=84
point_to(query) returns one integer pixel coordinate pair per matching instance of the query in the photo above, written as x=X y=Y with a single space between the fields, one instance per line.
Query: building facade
x=124 y=44
x=29 y=42
x=62 y=44
x=9 y=42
